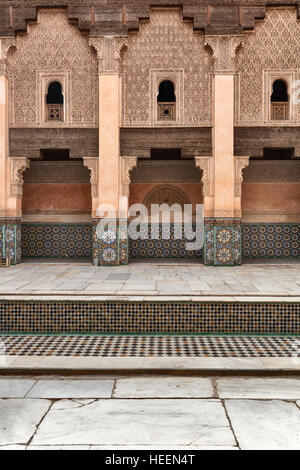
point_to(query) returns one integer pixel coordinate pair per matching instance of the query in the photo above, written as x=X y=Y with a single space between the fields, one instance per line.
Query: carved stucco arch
x=166 y=194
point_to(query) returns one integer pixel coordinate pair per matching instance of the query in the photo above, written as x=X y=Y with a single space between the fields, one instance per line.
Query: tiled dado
x=149 y=317
x=110 y=248
x=270 y=240
x=222 y=242
x=160 y=245
x=56 y=240
x=10 y=239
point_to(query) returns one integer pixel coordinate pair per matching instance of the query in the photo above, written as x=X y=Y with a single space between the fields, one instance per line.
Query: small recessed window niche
x=279 y=108
x=166 y=88
x=54 y=99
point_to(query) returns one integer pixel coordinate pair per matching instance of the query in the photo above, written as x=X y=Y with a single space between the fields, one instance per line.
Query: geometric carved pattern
x=165 y=171
x=52 y=45
x=224 y=50
x=279 y=111
x=57 y=172
x=163 y=43
x=274 y=46
x=272 y=171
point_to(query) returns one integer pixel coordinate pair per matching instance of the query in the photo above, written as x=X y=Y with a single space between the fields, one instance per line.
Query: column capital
x=92 y=164
x=17 y=168
x=108 y=50
x=127 y=164
x=240 y=164
x=224 y=49
x=5 y=45
x=206 y=165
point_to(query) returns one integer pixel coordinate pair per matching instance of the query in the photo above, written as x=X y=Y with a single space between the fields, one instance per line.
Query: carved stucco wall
x=270 y=51
x=51 y=46
x=167 y=44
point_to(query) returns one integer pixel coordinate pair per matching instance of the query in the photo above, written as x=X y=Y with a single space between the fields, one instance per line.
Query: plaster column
x=223 y=227
x=110 y=247
x=10 y=201
x=3 y=143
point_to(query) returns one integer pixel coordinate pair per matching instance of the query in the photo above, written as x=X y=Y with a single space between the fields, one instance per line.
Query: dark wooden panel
x=252 y=140
x=119 y=16
x=191 y=141
x=28 y=142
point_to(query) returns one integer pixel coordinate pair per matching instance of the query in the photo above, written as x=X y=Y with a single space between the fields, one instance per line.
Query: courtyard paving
x=174 y=279
x=157 y=412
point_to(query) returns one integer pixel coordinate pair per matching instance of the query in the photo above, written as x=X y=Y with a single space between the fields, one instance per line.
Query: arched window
x=166 y=101
x=55 y=102
x=166 y=92
x=280 y=100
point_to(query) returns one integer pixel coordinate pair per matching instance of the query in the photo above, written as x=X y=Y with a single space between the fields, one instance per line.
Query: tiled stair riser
x=149 y=317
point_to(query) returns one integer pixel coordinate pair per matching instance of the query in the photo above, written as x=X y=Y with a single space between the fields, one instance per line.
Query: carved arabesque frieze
x=240 y=164
x=92 y=164
x=272 y=171
x=5 y=45
x=165 y=171
x=164 y=44
x=224 y=51
x=109 y=49
x=52 y=44
x=271 y=49
x=17 y=167
x=206 y=165
x=127 y=164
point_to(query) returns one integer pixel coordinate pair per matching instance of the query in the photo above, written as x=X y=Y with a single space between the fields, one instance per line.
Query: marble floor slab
x=15 y=388
x=19 y=418
x=163 y=387
x=137 y=422
x=156 y=277
x=259 y=387
x=265 y=425
x=72 y=389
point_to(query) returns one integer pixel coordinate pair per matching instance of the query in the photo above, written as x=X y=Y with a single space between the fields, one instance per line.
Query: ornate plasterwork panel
x=126 y=167
x=177 y=78
x=272 y=171
x=240 y=164
x=271 y=50
x=57 y=172
x=224 y=51
x=166 y=43
x=166 y=194
x=109 y=49
x=206 y=164
x=92 y=164
x=165 y=171
x=17 y=167
x=52 y=45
